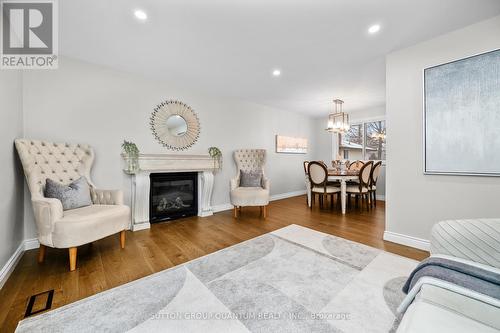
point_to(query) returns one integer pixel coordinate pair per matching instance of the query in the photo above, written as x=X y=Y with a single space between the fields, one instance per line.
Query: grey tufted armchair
x=64 y=163
x=250 y=160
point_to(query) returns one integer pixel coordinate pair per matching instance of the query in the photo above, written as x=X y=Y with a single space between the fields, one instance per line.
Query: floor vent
x=36 y=301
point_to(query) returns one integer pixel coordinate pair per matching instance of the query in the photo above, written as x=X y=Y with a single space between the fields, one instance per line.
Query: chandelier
x=338 y=121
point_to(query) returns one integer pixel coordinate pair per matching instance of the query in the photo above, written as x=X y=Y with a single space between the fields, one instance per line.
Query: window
x=375 y=140
x=352 y=143
x=364 y=141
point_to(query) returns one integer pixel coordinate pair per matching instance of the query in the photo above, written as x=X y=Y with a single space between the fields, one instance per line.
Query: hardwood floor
x=104 y=265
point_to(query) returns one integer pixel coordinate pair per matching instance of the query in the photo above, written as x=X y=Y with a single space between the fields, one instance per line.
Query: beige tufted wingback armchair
x=250 y=160
x=64 y=163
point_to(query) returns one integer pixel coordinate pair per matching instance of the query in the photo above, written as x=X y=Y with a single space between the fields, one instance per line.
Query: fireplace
x=173 y=195
x=202 y=165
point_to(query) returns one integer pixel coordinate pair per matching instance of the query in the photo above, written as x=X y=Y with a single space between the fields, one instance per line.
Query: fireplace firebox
x=172 y=196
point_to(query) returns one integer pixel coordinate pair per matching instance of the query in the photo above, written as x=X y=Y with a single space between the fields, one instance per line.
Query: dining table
x=343 y=176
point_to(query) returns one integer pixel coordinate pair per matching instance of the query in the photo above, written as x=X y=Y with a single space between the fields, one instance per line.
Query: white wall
x=324 y=147
x=81 y=102
x=367 y=114
x=11 y=181
x=415 y=202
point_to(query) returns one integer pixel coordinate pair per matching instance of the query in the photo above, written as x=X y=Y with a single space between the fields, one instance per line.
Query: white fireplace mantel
x=156 y=163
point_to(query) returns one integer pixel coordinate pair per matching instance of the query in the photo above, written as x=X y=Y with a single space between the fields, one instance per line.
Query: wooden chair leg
x=122 y=238
x=41 y=253
x=72 y=258
x=375 y=198
x=367 y=202
x=264 y=211
x=235 y=212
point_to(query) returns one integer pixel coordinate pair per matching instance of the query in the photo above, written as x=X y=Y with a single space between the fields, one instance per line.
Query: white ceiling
x=230 y=47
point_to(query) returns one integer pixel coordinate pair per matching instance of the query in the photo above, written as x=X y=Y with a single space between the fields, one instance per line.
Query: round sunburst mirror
x=175 y=125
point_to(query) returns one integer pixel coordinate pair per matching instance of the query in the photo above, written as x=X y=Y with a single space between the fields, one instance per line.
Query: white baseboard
x=222 y=207
x=418 y=243
x=141 y=226
x=30 y=244
x=287 y=195
x=11 y=264
x=228 y=206
x=8 y=268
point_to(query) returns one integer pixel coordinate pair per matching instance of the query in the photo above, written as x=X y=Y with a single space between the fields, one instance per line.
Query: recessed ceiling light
x=276 y=72
x=141 y=15
x=374 y=28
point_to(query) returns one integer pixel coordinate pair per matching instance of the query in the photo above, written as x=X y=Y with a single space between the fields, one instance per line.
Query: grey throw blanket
x=470 y=277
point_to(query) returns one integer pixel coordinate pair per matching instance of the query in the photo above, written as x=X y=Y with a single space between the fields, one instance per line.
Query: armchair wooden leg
x=235 y=212
x=264 y=211
x=41 y=253
x=72 y=258
x=122 y=238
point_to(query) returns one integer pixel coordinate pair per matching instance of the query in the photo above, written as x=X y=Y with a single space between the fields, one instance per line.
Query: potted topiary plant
x=131 y=154
x=216 y=155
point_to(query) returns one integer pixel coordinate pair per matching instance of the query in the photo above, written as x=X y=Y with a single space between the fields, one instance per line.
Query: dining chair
x=362 y=189
x=356 y=165
x=308 y=183
x=323 y=163
x=377 y=167
x=318 y=177
x=326 y=166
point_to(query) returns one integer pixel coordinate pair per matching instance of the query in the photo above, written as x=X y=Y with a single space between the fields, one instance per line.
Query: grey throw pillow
x=74 y=195
x=250 y=178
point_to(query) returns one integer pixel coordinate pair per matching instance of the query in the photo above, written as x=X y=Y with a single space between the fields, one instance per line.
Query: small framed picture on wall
x=291 y=145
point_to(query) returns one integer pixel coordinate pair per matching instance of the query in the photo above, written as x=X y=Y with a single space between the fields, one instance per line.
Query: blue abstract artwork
x=462 y=116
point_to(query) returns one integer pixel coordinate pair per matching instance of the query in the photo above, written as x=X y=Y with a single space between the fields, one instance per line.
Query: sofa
x=435 y=305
